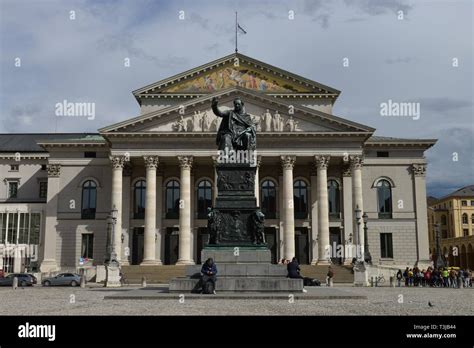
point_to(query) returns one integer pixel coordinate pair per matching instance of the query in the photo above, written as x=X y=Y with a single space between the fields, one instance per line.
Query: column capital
x=151 y=162
x=418 y=169
x=54 y=170
x=356 y=162
x=185 y=162
x=322 y=161
x=288 y=162
x=346 y=171
x=117 y=162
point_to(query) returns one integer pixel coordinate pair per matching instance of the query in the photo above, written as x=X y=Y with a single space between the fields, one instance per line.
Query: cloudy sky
x=403 y=60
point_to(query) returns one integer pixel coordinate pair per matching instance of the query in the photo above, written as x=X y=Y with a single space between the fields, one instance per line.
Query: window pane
x=35 y=228
x=3 y=227
x=12 y=227
x=386 y=248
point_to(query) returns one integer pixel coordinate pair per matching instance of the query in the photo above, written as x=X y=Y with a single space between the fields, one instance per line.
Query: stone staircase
x=154 y=274
x=342 y=274
x=163 y=274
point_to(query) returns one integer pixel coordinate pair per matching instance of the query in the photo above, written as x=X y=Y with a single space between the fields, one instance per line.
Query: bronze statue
x=237 y=131
x=258 y=227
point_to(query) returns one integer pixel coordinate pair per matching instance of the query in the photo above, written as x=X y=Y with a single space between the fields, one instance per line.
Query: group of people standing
x=435 y=277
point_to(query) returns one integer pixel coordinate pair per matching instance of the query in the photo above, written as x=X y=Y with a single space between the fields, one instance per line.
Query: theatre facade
x=157 y=171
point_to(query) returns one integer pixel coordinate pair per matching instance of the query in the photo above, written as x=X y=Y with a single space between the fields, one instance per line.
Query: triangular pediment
x=236 y=70
x=270 y=115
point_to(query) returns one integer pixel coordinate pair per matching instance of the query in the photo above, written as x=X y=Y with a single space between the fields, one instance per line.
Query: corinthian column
x=419 y=173
x=357 y=201
x=149 y=254
x=322 y=163
x=288 y=163
x=49 y=263
x=117 y=171
x=185 y=163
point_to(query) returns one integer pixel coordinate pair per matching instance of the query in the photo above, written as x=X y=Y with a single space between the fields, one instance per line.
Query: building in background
x=455 y=215
x=157 y=170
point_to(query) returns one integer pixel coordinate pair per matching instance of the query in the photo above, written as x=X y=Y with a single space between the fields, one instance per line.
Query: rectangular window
x=3 y=227
x=382 y=153
x=90 y=154
x=472 y=203
x=43 y=167
x=13 y=189
x=14 y=167
x=43 y=192
x=444 y=234
x=464 y=203
x=465 y=232
x=35 y=225
x=386 y=247
x=24 y=228
x=12 y=232
x=87 y=248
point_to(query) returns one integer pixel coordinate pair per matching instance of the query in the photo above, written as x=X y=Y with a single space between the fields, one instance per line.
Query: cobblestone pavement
x=380 y=301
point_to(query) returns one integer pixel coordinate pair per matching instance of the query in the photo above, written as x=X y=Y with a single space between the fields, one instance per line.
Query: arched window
x=139 y=200
x=334 y=196
x=89 y=198
x=384 y=194
x=204 y=198
x=172 y=199
x=300 y=192
x=268 y=199
x=443 y=220
x=464 y=218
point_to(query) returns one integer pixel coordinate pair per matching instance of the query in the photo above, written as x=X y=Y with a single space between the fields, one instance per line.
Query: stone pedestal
x=250 y=271
x=112 y=276
x=363 y=273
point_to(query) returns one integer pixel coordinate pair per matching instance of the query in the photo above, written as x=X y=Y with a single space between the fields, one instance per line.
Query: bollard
x=15 y=283
x=371 y=282
x=392 y=281
x=376 y=281
x=461 y=283
x=143 y=282
x=331 y=283
x=83 y=281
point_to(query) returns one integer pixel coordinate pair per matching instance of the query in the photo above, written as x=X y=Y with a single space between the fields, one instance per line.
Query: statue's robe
x=237 y=125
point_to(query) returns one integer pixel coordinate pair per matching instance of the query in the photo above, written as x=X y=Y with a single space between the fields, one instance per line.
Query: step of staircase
x=164 y=274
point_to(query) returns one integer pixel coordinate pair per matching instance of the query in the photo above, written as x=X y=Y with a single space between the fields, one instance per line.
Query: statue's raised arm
x=216 y=110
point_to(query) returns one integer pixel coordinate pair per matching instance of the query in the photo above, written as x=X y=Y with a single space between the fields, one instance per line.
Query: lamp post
x=113 y=254
x=358 y=215
x=439 y=258
x=367 y=256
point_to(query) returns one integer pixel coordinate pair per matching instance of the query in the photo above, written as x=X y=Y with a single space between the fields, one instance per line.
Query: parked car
x=69 y=279
x=24 y=279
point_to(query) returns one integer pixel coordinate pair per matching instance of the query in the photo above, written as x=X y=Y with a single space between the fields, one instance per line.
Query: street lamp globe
x=365 y=218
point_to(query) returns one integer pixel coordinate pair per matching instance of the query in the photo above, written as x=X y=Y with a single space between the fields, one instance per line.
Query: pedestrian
x=405 y=275
x=399 y=277
x=329 y=276
x=209 y=275
x=445 y=275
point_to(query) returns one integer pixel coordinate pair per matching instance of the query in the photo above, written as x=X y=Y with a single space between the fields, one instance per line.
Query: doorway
x=336 y=246
x=171 y=245
x=271 y=238
x=202 y=240
x=302 y=245
x=137 y=245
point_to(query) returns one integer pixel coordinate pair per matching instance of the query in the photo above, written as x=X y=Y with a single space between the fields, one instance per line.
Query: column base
x=151 y=263
x=314 y=262
x=324 y=263
x=347 y=262
x=124 y=263
x=49 y=266
x=185 y=262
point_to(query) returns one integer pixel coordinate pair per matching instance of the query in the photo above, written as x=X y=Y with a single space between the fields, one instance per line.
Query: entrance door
x=335 y=242
x=203 y=239
x=137 y=245
x=302 y=245
x=270 y=238
x=171 y=245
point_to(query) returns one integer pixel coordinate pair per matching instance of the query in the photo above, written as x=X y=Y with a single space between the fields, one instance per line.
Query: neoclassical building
x=453 y=216
x=157 y=170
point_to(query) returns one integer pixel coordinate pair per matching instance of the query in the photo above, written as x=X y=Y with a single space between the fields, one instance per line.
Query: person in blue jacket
x=209 y=274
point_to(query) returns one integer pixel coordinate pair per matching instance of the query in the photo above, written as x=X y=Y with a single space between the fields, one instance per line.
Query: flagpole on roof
x=236 y=24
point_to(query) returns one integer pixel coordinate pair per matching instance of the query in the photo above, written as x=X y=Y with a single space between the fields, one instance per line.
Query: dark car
x=24 y=279
x=69 y=279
